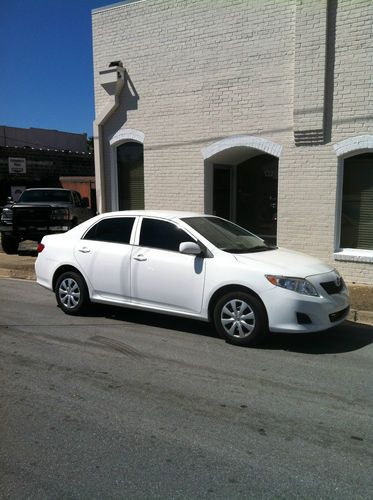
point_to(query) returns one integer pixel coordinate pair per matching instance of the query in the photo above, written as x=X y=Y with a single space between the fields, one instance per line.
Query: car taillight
x=40 y=247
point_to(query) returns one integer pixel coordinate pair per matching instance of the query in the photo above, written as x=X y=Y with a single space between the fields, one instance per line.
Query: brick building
x=257 y=110
x=44 y=158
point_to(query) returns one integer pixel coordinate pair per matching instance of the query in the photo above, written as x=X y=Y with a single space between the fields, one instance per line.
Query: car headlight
x=337 y=274
x=298 y=285
x=7 y=215
x=60 y=214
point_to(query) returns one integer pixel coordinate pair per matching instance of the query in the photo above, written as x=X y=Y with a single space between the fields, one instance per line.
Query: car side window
x=113 y=230
x=161 y=234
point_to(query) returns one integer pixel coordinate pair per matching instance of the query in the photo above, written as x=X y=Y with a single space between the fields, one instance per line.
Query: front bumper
x=6 y=228
x=35 y=231
x=293 y=312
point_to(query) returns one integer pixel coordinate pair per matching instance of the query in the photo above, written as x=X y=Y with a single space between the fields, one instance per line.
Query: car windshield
x=46 y=196
x=227 y=236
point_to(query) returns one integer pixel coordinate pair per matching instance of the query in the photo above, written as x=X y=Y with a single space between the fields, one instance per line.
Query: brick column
x=309 y=71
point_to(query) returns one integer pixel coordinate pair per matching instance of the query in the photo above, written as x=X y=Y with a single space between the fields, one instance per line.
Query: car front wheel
x=240 y=318
x=72 y=293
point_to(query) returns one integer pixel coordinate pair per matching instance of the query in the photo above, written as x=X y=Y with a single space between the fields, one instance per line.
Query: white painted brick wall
x=207 y=70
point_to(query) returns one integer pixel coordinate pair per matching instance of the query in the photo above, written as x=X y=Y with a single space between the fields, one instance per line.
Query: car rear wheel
x=240 y=318
x=72 y=293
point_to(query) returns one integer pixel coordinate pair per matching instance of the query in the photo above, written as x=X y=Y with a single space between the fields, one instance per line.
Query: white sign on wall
x=17 y=165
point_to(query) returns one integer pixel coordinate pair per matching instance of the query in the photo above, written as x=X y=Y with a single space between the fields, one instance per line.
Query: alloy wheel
x=69 y=293
x=237 y=319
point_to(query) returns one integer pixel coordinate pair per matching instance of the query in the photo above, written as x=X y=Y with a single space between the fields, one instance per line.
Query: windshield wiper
x=261 y=248
x=258 y=248
x=234 y=250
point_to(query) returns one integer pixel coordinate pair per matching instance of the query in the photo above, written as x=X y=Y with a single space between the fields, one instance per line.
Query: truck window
x=45 y=196
x=77 y=199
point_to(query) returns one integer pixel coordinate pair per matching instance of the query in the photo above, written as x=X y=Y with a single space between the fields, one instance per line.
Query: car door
x=104 y=256
x=161 y=276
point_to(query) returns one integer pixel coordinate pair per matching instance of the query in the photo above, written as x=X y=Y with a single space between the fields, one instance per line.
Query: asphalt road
x=124 y=404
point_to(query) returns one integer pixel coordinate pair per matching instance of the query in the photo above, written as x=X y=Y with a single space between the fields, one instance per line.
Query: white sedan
x=191 y=265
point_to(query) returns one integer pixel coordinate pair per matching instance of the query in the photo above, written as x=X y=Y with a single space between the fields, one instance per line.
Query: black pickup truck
x=39 y=212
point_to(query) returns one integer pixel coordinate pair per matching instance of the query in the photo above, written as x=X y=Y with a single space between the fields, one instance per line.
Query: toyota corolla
x=191 y=265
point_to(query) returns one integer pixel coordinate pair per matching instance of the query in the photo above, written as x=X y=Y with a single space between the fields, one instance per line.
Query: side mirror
x=190 y=248
x=85 y=202
x=9 y=199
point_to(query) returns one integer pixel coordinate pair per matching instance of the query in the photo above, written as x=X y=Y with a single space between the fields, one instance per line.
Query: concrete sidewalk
x=19 y=266
x=22 y=266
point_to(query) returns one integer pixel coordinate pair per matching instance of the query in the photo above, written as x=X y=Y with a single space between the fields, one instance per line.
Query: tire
x=72 y=293
x=9 y=244
x=240 y=319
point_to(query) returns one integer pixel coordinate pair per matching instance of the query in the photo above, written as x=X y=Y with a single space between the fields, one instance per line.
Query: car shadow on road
x=346 y=337
x=158 y=320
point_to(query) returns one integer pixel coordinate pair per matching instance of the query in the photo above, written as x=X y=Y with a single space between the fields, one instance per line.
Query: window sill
x=354 y=255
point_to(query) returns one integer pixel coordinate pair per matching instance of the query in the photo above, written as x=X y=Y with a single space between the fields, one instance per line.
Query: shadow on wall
x=129 y=99
x=330 y=64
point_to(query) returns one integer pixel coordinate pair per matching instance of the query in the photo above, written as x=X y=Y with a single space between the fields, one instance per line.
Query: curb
x=17 y=266
x=18 y=274
x=364 y=317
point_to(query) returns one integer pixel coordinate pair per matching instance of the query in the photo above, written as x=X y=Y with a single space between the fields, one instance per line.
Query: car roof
x=166 y=214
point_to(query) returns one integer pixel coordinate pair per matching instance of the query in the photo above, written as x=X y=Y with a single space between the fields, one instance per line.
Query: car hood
x=285 y=263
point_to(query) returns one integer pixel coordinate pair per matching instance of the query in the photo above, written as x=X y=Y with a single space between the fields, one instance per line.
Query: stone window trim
x=120 y=137
x=259 y=143
x=127 y=135
x=345 y=149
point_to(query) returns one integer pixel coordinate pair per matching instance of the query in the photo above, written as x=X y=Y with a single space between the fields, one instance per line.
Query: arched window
x=127 y=170
x=241 y=182
x=356 y=224
x=354 y=216
x=130 y=165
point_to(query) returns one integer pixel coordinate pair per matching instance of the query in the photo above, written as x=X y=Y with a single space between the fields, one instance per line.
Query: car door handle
x=84 y=250
x=140 y=258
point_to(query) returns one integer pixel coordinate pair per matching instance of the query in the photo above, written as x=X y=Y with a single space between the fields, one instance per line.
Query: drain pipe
x=112 y=80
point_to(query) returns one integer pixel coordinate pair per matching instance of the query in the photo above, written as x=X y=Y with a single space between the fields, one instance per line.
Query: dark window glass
x=357 y=203
x=130 y=160
x=222 y=191
x=77 y=199
x=257 y=183
x=161 y=234
x=114 y=230
x=227 y=236
x=46 y=196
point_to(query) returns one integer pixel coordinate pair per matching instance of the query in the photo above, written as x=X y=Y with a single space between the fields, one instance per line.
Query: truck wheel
x=10 y=245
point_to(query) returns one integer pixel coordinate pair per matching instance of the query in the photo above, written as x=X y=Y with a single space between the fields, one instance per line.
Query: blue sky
x=46 y=64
